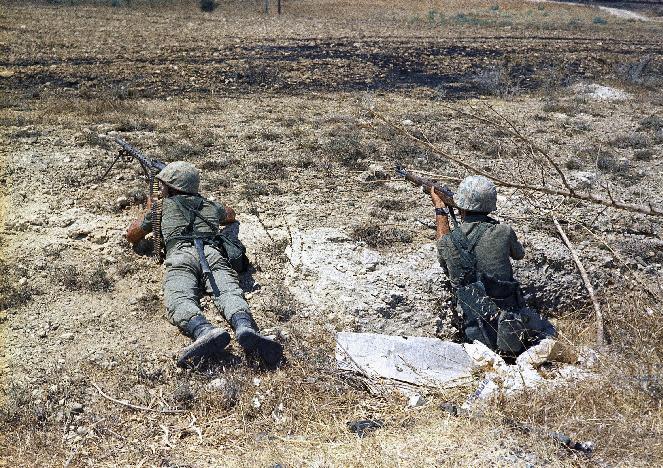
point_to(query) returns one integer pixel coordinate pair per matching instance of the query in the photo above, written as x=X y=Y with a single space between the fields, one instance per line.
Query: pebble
x=416 y=400
x=67 y=336
x=76 y=407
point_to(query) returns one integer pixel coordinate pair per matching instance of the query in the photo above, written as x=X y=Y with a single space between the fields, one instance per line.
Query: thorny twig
x=135 y=407
x=569 y=192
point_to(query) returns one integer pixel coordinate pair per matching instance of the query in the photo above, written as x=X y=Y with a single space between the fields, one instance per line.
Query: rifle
x=442 y=191
x=150 y=167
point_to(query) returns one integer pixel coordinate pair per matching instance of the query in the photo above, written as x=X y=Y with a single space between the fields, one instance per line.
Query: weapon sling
x=198 y=238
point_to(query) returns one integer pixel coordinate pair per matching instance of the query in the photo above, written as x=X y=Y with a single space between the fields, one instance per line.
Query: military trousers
x=184 y=284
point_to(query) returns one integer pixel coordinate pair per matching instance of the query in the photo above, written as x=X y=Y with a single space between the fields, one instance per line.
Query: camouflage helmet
x=476 y=193
x=180 y=175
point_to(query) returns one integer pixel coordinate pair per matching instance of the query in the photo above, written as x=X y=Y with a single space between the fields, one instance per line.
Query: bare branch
x=600 y=335
x=648 y=210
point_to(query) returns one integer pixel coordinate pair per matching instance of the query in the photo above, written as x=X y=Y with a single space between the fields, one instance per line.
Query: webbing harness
x=465 y=246
x=199 y=239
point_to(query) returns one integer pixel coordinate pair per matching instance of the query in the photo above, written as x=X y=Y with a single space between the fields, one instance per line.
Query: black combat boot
x=208 y=340
x=251 y=341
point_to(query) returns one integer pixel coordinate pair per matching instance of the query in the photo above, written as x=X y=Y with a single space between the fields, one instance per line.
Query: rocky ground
x=275 y=114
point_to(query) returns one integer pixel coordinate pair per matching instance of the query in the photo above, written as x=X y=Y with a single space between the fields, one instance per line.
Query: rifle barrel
x=442 y=190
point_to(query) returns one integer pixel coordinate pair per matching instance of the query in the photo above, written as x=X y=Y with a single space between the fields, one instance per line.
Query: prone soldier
x=196 y=261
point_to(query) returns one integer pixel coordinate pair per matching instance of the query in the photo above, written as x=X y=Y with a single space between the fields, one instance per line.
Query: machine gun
x=150 y=167
x=442 y=191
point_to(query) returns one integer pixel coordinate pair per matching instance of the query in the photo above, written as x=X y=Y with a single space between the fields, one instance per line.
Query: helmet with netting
x=180 y=175
x=476 y=193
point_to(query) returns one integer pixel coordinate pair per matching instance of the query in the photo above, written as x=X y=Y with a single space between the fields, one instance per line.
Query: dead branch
x=135 y=407
x=569 y=192
x=600 y=336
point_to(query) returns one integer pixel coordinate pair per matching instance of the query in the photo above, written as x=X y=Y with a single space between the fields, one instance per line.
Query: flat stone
x=411 y=359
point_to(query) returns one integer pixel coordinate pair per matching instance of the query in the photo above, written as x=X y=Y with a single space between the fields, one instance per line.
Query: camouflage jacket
x=493 y=251
x=174 y=221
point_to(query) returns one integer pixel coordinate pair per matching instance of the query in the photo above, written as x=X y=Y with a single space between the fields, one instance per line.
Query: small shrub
x=573 y=164
x=607 y=162
x=375 y=235
x=634 y=140
x=346 y=150
x=271 y=169
x=653 y=122
x=599 y=20
x=207 y=5
x=644 y=155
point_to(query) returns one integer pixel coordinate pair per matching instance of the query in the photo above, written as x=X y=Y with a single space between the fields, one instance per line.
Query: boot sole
x=212 y=343
x=271 y=352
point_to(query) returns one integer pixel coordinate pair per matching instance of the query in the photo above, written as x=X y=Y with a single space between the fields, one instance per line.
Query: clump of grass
x=73 y=279
x=345 y=149
x=183 y=150
x=375 y=235
x=274 y=169
x=599 y=20
x=281 y=303
x=634 y=141
x=644 y=155
x=653 y=122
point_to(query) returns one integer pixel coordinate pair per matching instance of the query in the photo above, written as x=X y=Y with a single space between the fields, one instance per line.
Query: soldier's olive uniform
x=182 y=284
x=493 y=251
x=200 y=257
x=477 y=258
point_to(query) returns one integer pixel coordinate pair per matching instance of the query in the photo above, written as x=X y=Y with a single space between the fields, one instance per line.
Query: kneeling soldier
x=476 y=256
x=197 y=261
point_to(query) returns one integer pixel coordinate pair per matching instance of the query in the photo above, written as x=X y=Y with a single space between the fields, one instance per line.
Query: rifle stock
x=442 y=191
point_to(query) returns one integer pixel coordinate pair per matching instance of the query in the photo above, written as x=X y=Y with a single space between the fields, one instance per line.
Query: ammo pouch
x=233 y=248
x=505 y=294
x=479 y=314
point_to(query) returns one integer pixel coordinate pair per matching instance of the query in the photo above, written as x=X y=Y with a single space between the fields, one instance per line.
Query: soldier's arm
x=441 y=219
x=139 y=228
x=517 y=251
x=230 y=216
